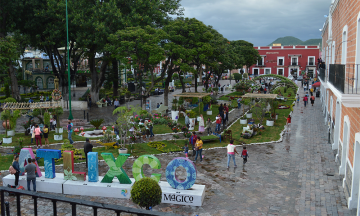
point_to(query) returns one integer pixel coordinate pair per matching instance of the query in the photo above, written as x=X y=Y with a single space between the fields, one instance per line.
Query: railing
x=5 y=208
x=310 y=63
x=294 y=64
x=322 y=74
x=345 y=78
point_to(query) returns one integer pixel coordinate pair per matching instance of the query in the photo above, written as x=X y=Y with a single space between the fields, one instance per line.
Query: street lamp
x=68 y=61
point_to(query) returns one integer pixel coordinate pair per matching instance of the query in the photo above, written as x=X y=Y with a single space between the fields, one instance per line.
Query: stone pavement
x=295 y=177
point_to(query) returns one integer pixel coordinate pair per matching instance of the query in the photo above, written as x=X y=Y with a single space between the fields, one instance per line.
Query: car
x=300 y=78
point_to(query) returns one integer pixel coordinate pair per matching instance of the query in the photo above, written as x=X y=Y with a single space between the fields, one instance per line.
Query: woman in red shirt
x=37 y=136
x=305 y=100
x=288 y=123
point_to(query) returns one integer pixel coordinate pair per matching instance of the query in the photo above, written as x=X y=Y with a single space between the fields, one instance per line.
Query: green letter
x=115 y=168
x=137 y=169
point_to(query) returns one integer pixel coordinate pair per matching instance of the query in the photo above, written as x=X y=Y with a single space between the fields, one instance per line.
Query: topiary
x=10 y=100
x=47 y=119
x=146 y=193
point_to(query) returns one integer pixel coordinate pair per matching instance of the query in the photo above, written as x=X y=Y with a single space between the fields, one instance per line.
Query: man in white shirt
x=41 y=98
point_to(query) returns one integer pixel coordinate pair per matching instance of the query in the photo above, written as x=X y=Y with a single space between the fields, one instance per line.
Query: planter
x=11 y=133
x=209 y=112
x=243 y=121
x=99 y=105
x=58 y=137
x=98 y=131
x=270 y=123
x=192 y=124
x=8 y=124
x=59 y=130
x=248 y=115
x=276 y=117
x=174 y=114
x=7 y=140
x=123 y=151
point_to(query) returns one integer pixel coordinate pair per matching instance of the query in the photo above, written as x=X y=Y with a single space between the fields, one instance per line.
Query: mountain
x=290 y=40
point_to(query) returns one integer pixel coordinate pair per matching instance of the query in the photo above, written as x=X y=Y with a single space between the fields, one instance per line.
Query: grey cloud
x=260 y=21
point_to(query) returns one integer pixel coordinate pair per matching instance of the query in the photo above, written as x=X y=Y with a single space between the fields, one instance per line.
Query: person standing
x=198 y=149
x=187 y=120
x=231 y=150
x=311 y=91
x=201 y=124
x=116 y=103
x=265 y=90
x=192 y=142
x=30 y=170
x=208 y=126
x=239 y=103
x=225 y=119
x=37 y=132
x=87 y=148
x=288 y=123
x=16 y=166
x=244 y=155
x=305 y=100
x=312 y=100
x=151 y=126
x=46 y=134
x=70 y=130
x=89 y=100
x=41 y=98
x=298 y=98
x=218 y=123
x=32 y=132
x=226 y=108
x=221 y=109
x=54 y=123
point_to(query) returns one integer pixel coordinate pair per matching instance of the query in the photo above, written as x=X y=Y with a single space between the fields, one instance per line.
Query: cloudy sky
x=261 y=21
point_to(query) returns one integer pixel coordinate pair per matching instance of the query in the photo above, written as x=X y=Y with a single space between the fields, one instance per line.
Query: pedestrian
x=304 y=86
x=221 y=109
x=89 y=100
x=151 y=126
x=226 y=108
x=302 y=83
x=192 y=142
x=32 y=132
x=41 y=98
x=218 y=123
x=208 y=126
x=87 y=148
x=186 y=150
x=187 y=120
x=311 y=91
x=239 y=102
x=244 y=155
x=70 y=130
x=265 y=90
x=54 y=123
x=30 y=170
x=298 y=98
x=231 y=150
x=288 y=123
x=198 y=149
x=225 y=119
x=116 y=103
x=312 y=100
x=201 y=124
x=37 y=132
x=46 y=134
x=157 y=106
x=305 y=100
x=16 y=166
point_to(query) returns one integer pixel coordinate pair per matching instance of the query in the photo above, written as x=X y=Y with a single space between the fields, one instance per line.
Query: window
x=267 y=70
x=344 y=46
x=311 y=60
x=280 y=61
x=293 y=61
x=280 y=71
x=261 y=62
x=255 y=71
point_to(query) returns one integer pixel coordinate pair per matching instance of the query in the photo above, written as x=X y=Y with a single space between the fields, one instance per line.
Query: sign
x=272 y=53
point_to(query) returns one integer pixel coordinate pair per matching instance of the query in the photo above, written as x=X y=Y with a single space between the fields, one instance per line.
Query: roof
x=192 y=94
x=256 y=95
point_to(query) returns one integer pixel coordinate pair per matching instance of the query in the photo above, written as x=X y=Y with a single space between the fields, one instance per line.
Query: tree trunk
x=182 y=83
x=14 y=83
x=166 y=90
x=196 y=76
x=116 y=77
x=143 y=102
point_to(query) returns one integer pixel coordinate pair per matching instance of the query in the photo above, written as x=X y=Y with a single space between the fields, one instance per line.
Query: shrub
x=194 y=100
x=10 y=100
x=206 y=99
x=146 y=193
x=158 y=145
x=47 y=119
x=96 y=123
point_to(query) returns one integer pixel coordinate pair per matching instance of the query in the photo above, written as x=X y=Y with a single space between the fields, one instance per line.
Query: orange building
x=340 y=90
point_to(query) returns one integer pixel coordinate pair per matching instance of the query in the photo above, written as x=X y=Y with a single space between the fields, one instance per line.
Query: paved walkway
x=295 y=177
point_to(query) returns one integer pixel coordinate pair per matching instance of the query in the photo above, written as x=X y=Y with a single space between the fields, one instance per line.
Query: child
x=298 y=98
x=186 y=149
x=244 y=155
x=46 y=134
x=30 y=170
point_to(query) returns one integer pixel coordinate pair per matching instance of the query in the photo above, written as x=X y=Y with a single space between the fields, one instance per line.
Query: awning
x=317 y=84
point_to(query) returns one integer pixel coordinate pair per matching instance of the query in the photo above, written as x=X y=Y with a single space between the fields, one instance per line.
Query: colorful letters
x=137 y=169
x=26 y=153
x=93 y=167
x=49 y=163
x=173 y=180
x=115 y=168
x=69 y=174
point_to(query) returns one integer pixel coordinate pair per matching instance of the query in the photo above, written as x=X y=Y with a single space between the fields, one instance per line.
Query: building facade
x=340 y=92
x=286 y=60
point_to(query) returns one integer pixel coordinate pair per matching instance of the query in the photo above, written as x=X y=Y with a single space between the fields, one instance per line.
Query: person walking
x=239 y=103
x=312 y=100
x=30 y=170
x=151 y=126
x=218 y=123
x=198 y=149
x=116 y=103
x=37 y=132
x=201 y=124
x=192 y=142
x=208 y=126
x=225 y=119
x=87 y=148
x=288 y=123
x=265 y=90
x=70 y=130
x=16 y=166
x=298 y=98
x=46 y=134
x=231 y=150
x=305 y=100
x=311 y=91
x=244 y=155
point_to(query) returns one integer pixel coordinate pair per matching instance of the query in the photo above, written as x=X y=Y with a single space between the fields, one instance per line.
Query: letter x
x=115 y=168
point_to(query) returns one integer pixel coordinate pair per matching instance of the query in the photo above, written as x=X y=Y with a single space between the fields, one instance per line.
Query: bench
x=100 y=103
x=162 y=109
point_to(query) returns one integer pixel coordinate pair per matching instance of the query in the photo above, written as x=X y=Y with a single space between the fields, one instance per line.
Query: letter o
x=173 y=180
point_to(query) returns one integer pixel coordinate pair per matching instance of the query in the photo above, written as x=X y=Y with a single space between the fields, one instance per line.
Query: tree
x=142 y=46
x=247 y=51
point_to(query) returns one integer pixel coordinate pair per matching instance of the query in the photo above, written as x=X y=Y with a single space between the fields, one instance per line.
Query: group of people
x=197 y=144
x=306 y=99
x=38 y=133
x=222 y=117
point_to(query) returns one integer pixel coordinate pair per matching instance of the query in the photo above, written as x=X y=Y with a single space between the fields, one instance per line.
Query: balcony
x=260 y=64
x=294 y=64
x=345 y=78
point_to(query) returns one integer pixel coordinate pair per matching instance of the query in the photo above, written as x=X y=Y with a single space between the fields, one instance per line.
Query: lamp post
x=68 y=61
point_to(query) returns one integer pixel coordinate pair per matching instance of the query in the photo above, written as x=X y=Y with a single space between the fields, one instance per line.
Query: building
x=286 y=60
x=340 y=92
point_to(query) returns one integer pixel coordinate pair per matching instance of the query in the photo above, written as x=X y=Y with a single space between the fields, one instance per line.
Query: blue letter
x=190 y=171
x=93 y=166
x=49 y=163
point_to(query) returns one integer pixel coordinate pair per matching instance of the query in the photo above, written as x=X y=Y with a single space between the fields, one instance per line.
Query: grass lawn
x=215 y=111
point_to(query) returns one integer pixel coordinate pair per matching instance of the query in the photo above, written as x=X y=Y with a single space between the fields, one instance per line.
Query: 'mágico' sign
x=115 y=169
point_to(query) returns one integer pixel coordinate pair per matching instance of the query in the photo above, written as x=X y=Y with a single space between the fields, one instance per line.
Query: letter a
x=115 y=168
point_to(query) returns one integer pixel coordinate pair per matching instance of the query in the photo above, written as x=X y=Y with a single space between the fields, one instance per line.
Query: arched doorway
x=50 y=83
x=353 y=199
x=39 y=82
x=337 y=125
x=342 y=152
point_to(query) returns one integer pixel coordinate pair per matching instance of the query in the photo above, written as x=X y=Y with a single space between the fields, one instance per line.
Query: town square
x=156 y=108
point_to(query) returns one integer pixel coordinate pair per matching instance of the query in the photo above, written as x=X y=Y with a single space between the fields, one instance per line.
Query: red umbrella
x=317 y=84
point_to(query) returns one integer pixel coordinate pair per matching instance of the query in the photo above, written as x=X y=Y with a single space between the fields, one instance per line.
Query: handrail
x=73 y=202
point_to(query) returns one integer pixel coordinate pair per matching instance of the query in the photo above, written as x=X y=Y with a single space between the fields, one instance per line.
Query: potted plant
x=192 y=116
x=270 y=122
x=97 y=123
x=246 y=102
x=8 y=117
x=14 y=115
x=174 y=111
x=58 y=111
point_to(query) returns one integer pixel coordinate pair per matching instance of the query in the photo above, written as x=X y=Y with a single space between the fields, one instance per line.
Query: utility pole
x=68 y=61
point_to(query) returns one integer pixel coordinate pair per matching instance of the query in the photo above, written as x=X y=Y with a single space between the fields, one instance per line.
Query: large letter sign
x=26 y=153
x=93 y=167
x=115 y=168
x=171 y=175
x=151 y=160
x=49 y=162
x=69 y=174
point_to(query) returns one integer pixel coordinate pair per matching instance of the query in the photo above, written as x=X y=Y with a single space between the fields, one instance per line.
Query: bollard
x=329 y=137
x=87 y=117
x=7 y=208
x=84 y=114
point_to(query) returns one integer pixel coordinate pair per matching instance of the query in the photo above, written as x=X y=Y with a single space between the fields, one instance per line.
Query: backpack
x=244 y=153
x=69 y=127
x=12 y=170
